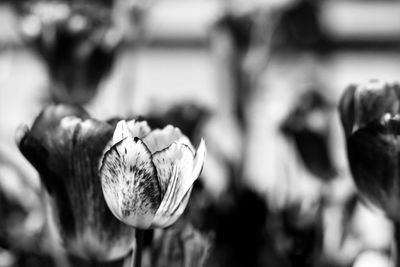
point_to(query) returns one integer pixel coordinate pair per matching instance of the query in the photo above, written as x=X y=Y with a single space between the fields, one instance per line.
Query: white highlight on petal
x=160 y=139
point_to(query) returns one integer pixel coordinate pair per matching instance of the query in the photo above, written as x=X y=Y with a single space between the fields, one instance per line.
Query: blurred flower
x=309 y=125
x=371 y=121
x=147 y=176
x=182 y=246
x=77 y=40
x=65 y=145
x=372 y=258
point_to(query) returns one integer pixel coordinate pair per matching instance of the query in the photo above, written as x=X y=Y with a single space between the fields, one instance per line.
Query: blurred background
x=259 y=80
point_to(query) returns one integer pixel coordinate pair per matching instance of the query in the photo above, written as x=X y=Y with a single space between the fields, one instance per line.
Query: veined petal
x=171 y=163
x=197 y=166
x=165 y=221
x=138 y=129
x=174 y=168
x=160 y=139
x=130 y=184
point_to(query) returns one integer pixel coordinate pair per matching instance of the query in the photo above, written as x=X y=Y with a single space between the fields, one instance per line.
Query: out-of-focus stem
x=396 y=250
x=137 y=262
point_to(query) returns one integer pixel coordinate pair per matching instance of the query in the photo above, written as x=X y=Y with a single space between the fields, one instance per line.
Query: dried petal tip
x=20 y=133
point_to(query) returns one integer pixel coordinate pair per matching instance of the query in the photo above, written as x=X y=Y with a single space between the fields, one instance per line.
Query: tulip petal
x=174 y=167
x=373 y=100
x=374 y=159
x=131 y=128
x=160 y=139
x=86 y=196
x=130 y=184
x=165 y=221
x=199 y=160
x=172 y=163
x=138 y=128
x=121 y=132
x=65 y=146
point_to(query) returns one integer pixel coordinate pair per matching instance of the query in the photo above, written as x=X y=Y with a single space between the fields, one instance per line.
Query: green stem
x=139 y=247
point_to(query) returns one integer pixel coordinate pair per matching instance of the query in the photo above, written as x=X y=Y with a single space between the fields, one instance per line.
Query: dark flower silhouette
x=65 y=145
x=78 y=41
x=371 y=121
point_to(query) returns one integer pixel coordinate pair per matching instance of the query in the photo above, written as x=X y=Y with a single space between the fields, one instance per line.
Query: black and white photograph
x=199 y=133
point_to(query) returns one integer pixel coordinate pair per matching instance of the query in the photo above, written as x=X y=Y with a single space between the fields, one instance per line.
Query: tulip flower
x=78 y=42
x=371 y=121
x=147 y=176
x=65 y=145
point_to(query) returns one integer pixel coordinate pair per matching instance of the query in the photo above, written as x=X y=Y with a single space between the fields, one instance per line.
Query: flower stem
x=397 y=243
x=139 y=247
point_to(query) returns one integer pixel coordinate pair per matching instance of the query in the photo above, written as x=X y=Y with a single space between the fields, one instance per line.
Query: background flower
x=370 y=117
x=65 y=146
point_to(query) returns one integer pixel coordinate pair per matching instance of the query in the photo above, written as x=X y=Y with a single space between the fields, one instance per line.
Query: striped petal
x=174 y=168
x=160 y=139
x=130 y=184
x=173 y=216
